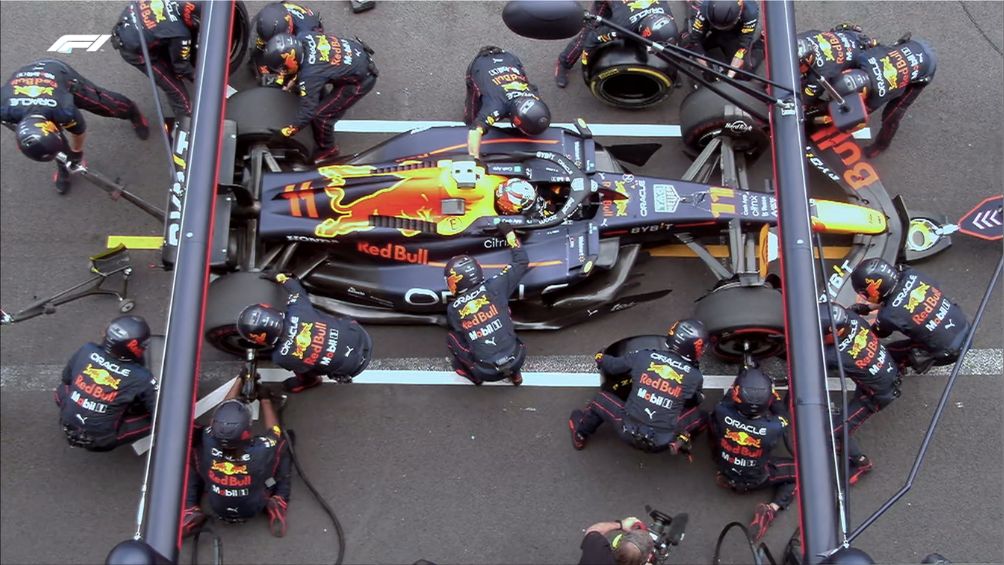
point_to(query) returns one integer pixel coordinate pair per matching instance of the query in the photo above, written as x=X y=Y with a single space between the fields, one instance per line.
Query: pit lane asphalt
x=457 y=474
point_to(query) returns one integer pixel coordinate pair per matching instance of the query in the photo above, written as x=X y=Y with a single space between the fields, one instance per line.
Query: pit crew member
x=650 y=18
x=168 y=28
x=731 y=26
x=873 y=370
x=245 y=474
x=823 y=55
x=107 y=396
x=482 y=341
x=662 y=411
x=276 y=18
x=497 y=88
x=309 y=343
x=625 y=541
x=42 y=101
x=745 y=429
x=914 y=305
x=308 y=63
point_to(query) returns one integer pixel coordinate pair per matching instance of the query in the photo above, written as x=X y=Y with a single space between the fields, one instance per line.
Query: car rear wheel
x=741 y=319
x=227 y=297
x=703 y=115
x=620 y=383
x=260 y=112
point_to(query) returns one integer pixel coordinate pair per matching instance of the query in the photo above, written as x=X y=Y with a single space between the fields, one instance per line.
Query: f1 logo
x=67 y=43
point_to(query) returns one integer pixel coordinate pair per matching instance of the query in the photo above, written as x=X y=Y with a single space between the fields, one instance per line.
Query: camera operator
x=745 y=430
x=662 y=411
x=624 y=542
x=246 y=475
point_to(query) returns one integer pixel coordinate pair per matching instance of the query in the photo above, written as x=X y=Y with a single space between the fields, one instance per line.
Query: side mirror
x=552 y=19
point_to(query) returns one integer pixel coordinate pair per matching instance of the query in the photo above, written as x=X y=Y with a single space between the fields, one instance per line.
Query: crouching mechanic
x=624 y=542
x=245 y=474
x=745 y=428
x=481 y=339
x=313 y=344
x=308 y=63
x=823 y=55
x=497 y=88
x=731 y=26
x=42 y=101
x=914 y=305
x=108 y=396
x=663 y=408
x=866 y=362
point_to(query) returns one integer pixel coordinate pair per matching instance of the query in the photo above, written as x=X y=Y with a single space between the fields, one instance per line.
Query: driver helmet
x=260 y=324
x=283 y=55
x=686 y=338
x=724 y=14
x=514 y=196
x=273 y=20
x=752 y=392
x=40 y=138
x=231 y=425
x=463 y=273
x=875 y=279
x=531 y=116
x=127 y=338
x=832 y=315
x=659 y=28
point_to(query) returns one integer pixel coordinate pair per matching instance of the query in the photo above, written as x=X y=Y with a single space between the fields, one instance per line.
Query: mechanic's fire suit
x=103 y=401
x=898 y=75
x=935 y=326
x=482 y=340
x=741 y=46
x=241 y=481
x=625 y=13
x=873 y=370
x=346 y=65
x=496 y=80
x=832 y=52
x=662 y=407
x=304 y=19
x=742 y=449
x=315 y=344
x=168 y=28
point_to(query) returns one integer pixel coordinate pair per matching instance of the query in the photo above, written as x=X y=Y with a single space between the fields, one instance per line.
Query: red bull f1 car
x=369 y=237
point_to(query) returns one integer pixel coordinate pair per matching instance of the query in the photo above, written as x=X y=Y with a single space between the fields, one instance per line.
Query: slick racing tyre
x=260 y=112
x=704 y=114
x=620 y=383
x=227 y=297
x=737 y=316
x=626 y=76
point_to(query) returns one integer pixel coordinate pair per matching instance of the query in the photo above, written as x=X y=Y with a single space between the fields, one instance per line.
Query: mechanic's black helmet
x=853 y=81
x=40 y=138
x=283 y=54
x=752 y=392
x=724 y=14
x=659 y=28
x=687 y=338
x=260 y=324
x=531 y=116
x=231 y=425
x=274 y=19
x=463 y=273
x=127 y=337
x=833 y=316
x=875 y=279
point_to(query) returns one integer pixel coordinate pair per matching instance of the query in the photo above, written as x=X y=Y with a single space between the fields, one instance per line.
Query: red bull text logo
x=95 y=390
x=858 y=174
x=227 y=474
x=394 y=252
x=480 y=317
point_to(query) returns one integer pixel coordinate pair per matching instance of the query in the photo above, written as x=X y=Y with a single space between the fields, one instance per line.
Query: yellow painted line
x=722 y=251
x=136 y=241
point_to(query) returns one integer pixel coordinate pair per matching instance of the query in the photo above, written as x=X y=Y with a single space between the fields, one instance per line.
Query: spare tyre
x=705 y=114
x=227 y=297
x=627 y=76
x=741 y=316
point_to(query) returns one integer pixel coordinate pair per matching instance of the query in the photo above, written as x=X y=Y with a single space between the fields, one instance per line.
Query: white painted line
x=612 y=130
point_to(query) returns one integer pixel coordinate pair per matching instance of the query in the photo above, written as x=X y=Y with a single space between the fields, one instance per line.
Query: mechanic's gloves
x=288 y=131
x=509 y=234
x=860 y=308
x=680 y=445
x=281 y=278
x=192 y=520
x=275 y=277
x=632 y=523
x=598 y=356
x=276 y=509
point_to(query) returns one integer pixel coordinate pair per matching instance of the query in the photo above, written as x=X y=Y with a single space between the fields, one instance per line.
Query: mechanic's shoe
x=859 y=468
x=467 y=376
x=560 y=75
x=61 y=178
x=516 y=379
x=141 y=126
x=578 y=440
x=299 y=384
x=762 y=519
x=321 y=156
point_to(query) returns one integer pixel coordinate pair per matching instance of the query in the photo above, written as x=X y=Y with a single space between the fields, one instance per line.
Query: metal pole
x=173 y=425
x=810 y=404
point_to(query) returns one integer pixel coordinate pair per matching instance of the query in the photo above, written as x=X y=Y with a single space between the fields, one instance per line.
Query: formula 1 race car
x=369 y=237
